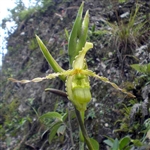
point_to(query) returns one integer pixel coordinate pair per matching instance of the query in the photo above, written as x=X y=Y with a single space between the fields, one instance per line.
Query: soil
x=24 y=60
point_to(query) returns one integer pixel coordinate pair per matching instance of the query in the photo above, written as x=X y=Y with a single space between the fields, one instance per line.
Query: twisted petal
x=27 y=81
x=104 y=79
x=39 y=79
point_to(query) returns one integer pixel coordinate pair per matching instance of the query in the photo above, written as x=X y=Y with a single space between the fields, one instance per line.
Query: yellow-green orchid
x=77 y=82
x=77 y=78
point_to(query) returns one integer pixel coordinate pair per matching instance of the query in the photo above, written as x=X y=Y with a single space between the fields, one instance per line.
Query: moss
x=13 y=105
x=14 y=50
x=24 y=14
x=128 y=85
x=8 y=117
x=33 y=44
x=8 y=109
x=10 y=48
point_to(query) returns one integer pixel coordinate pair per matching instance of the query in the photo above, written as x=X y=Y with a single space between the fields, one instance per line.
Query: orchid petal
x=106 y=80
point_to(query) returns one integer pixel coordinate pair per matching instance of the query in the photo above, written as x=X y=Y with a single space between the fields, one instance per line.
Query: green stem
x=80 y=132
x=82 y=127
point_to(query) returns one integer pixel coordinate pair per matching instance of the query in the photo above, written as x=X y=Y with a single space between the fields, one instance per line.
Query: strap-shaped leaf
x=54 y=131
x=72 y=43
x=83 y=33
x=49 y=58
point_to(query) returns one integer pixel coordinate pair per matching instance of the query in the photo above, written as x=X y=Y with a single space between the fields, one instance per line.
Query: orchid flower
x=77 y=80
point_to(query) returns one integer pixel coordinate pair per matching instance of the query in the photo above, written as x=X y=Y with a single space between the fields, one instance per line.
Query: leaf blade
x=49 y=57
x=50 y=115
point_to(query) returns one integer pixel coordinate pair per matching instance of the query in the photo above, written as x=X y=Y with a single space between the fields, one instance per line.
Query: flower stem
x=82 y=127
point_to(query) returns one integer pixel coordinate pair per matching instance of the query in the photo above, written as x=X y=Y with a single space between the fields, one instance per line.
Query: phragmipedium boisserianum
x=77 y=77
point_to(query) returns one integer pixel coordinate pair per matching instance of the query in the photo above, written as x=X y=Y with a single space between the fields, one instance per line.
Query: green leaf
x=51 y=115
x=42 y=135
x=108 y=142
x=94 y=143
x=141 y=68
x=49 y=58
x=83 y=33
x=148 y=68
x=129 y=147
x=137 y=142
x=115 y=145
x=122 y=1
x=54 y=131
x=61 y=130
x=67 y=34
x=137 y=67
x=124 y=142
x=73 y=35
x=93 y=28
x=64 y=117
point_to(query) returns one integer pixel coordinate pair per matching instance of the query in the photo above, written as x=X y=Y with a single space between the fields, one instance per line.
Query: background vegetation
x=120 y=32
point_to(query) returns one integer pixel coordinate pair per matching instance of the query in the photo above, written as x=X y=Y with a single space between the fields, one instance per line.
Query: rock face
x=22 y=104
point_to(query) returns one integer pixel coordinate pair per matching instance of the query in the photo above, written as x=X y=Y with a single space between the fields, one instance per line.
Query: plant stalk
x=82 y=127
